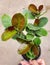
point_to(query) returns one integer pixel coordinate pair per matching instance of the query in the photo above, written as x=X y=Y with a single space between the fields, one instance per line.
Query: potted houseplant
x=15 y=27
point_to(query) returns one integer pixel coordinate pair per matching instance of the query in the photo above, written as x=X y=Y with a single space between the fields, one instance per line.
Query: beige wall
x=8 y=49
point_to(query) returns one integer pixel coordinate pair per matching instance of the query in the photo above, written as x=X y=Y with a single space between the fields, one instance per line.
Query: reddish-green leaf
x=36 y=22
x=25 y=49
x=8 y=33
x=40 y=8
x=18 y=21
x=32 y=8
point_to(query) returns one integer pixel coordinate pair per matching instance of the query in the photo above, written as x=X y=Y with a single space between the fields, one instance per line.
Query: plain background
x=8 y=49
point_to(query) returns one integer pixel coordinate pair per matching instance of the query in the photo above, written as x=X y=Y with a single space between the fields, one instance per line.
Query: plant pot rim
x=27 y=59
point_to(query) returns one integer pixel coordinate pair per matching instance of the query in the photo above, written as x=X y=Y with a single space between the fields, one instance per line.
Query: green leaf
x=8 y=34
x=6 y=20
x=19 y=35
x=30 y=54
x=37 y=41
x=29 y=31
x=15 y=36
x=43 y=21
x=26 y=19
x=41 y=32
x=32 y=27
x=29 y=37
x=29 y=14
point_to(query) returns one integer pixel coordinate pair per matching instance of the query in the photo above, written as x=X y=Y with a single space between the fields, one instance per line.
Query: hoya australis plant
x=15 y=26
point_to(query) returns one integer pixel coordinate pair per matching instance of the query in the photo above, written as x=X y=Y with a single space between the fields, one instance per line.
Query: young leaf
x=40 y=8
x=32 y=27
x=18 y=21
x=37 y=41
x=8 y=34
x=6 y=20
x=41 y=32
x=43 y=21
x=29 y=37
x=36 y=22
x=32 y=8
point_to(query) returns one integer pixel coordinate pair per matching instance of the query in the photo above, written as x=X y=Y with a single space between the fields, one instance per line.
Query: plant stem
x=41 y=14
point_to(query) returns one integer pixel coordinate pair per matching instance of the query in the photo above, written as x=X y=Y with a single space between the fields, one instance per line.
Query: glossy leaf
x=43 y=21
x=32 y=27
x=18 y=21
x=32 y=8
x=6 y=20
x=8 y=34
x=37 y=41
x=41 y=32
x=25 y=49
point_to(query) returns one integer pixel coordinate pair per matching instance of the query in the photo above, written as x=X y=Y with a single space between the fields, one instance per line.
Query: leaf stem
x=43 y=13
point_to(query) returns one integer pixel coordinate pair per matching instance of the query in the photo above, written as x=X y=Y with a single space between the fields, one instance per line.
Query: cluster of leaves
x=30 y=54
x=14 y=28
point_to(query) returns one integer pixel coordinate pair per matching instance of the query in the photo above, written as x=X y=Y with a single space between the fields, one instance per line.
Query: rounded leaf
x=18 y=21
x=6 y=20
x=29 y=14
x=41 y=32
x=36 y=23
x=43 y=21
x=37 y=41
x=32 y=8
x=29 y=37
x=32 y=27
x=40 y=8
x=8 y=34
x=35 y=50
